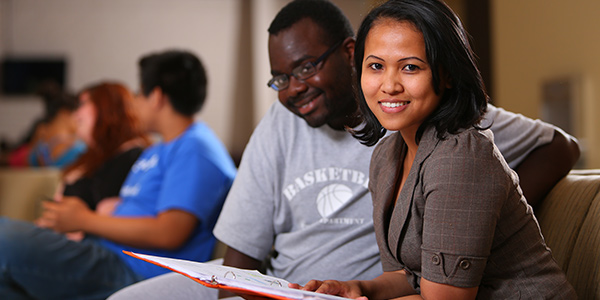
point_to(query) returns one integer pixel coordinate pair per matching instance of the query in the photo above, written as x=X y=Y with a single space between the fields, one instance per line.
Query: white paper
x=239 y=278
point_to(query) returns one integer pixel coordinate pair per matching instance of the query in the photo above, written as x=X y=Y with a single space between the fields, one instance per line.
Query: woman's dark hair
x=448 y=54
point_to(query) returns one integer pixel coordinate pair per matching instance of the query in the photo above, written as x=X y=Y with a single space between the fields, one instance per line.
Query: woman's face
x=85 y=116
x=396 y=77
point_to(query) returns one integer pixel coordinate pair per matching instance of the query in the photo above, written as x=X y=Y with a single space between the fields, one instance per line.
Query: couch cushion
x=563 y=212
x=583 y=270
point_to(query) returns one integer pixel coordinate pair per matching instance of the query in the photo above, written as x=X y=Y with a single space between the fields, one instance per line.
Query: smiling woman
x=396 y=77
x=450 y=218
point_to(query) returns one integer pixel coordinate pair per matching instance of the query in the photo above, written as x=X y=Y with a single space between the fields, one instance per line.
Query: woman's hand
x=64 y=216
x=389 y=285
x=348 y=289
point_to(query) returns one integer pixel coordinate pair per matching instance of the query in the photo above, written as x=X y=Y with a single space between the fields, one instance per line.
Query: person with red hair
x=114 y=138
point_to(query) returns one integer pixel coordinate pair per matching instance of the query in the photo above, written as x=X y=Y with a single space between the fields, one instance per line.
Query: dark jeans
x=37 y=263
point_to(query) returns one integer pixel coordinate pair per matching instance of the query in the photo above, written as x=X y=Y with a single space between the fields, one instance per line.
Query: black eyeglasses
x=301 y=72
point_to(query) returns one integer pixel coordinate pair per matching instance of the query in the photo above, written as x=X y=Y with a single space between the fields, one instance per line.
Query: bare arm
x=240 y=260
x=432 y=290
x=169 y=230
x=547 y=165
x=389 y=285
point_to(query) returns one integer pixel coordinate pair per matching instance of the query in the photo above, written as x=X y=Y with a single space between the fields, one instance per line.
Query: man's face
x=144 y=108
x=326 y=97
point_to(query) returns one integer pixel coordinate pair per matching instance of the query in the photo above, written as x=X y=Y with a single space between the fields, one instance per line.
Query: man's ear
x=157 y=98
x=348 y=48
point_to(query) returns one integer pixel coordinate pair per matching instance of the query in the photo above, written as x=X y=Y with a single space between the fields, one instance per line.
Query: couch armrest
x=21 y=191
x=569 y=219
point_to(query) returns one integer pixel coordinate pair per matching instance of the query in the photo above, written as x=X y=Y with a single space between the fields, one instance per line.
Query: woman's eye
x=375 y=66
x=411 y=68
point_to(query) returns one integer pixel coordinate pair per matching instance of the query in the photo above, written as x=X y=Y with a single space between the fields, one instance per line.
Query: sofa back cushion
x=569 y=218
x=584 y=265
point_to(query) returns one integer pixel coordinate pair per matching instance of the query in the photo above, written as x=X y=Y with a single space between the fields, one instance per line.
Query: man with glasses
x=303 y=71
x=299 y=208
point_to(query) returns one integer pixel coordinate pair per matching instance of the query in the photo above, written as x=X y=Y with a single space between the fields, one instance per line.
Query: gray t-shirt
x=302 y=192
x=516 y=135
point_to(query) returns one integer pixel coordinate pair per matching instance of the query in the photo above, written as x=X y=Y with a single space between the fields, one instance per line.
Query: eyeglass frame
x=296 y=70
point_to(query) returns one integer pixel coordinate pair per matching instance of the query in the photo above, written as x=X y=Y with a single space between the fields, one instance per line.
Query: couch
x=23 y=189
x=569 y=218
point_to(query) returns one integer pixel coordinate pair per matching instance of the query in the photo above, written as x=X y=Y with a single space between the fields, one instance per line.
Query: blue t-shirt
x=192 y=173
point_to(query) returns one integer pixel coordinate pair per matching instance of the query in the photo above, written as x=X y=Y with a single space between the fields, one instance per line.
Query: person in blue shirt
x=168 y=204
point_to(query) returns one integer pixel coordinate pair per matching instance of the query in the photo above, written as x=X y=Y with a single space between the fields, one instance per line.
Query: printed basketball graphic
x=332 y=197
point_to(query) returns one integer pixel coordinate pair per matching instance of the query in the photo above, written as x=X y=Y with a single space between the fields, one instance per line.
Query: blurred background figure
x=167 y=205
x=108 y=126
x=52 y=140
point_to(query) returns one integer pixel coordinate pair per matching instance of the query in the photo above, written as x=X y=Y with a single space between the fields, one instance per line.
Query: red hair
x=116 y=124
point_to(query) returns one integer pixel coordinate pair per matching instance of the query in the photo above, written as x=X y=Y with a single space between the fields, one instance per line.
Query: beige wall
x=103 y=39
x=539 y=40
x=533 y=40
